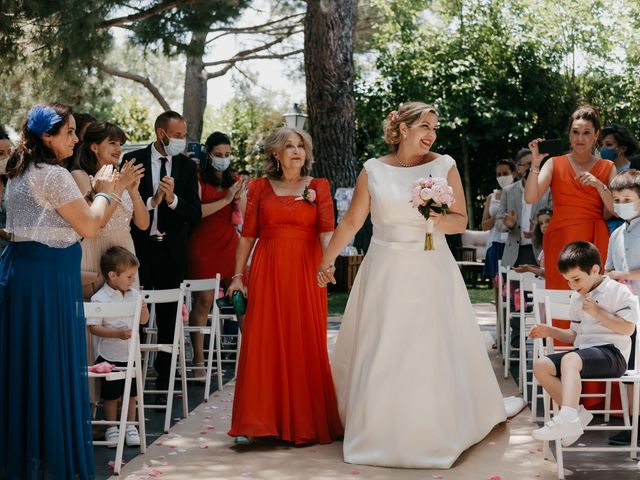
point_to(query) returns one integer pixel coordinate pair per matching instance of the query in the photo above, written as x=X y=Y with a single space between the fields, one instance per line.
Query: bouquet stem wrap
x=428 y=237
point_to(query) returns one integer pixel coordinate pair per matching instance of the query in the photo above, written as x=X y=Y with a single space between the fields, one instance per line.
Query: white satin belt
x=399 y=245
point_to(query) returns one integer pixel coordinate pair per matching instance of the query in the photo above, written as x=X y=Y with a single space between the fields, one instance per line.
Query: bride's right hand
x=104 y=180
x=325 y=275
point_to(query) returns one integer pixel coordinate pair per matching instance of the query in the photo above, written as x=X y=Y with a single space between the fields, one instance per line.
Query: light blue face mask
x=176 y=146
x=220 y=163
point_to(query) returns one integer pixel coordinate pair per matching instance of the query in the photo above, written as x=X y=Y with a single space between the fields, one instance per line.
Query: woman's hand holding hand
x=325 y=275
x=538 y=157
x=104 y=181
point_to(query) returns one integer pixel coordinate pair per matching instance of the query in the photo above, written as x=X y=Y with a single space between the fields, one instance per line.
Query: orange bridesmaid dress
x=577 y=215
x=284 y=387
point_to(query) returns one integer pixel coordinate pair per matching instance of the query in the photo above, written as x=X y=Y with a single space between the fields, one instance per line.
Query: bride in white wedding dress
x=413 y=379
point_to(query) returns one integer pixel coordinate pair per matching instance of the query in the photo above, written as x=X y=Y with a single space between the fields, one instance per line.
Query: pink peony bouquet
x=431 y=194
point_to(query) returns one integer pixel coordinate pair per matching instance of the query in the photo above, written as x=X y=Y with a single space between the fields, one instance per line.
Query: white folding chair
x=176 y=349
x=210 y=284
x=511 y=353
x=94 y=311
x=500 y=325
x=528 y=281
x=556 y=306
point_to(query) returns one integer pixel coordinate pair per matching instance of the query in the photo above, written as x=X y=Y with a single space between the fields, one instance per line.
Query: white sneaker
x=111 y=436
x=585 y=417
x=131 y=436
x=558 y=428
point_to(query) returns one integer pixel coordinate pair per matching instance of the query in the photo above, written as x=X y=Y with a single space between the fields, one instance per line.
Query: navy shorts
x=603 y=361
x=114 y=389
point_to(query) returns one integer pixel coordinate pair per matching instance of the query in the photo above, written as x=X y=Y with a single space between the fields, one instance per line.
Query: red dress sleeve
x=326 y=220
x=250 y=228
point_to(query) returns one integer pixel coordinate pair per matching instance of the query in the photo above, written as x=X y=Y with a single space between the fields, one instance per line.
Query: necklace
x=404 y=164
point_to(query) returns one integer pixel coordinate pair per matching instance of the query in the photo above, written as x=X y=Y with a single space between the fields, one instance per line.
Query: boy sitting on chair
x=603 y=315
x=119 y=267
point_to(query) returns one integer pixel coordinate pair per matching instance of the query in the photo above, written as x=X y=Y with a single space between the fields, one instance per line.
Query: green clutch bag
x=237 y=301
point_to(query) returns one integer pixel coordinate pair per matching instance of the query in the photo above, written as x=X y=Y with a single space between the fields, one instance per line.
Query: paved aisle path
x=199 y=448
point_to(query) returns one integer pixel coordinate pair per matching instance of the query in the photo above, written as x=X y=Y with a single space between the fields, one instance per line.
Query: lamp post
x=295 y=118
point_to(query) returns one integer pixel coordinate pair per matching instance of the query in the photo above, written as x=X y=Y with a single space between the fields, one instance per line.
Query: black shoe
x=620 y=438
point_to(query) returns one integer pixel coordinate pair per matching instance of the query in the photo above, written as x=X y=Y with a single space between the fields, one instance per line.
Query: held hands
x=104 y=181
x=325 y=275
x=509 y=219
x=538 y=157
x=539 y=331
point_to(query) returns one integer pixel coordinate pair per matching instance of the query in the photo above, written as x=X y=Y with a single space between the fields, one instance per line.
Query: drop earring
x=277 y=166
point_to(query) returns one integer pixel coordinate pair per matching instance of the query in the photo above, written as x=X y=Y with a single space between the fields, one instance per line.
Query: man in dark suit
x=170 y=190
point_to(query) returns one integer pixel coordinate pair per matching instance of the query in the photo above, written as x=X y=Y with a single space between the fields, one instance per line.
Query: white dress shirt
x=155 y=181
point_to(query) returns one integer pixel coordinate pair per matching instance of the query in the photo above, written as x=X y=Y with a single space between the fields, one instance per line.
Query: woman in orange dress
x=284 y=387
x=213 y=241
x=580 y=198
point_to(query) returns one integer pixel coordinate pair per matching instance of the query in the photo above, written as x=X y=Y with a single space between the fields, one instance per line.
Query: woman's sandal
x=199 y=372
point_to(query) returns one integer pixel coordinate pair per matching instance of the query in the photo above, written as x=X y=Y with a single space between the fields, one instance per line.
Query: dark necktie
x=160 y=212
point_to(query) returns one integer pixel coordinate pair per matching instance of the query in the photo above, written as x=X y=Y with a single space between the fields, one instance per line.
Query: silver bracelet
x=237 y=275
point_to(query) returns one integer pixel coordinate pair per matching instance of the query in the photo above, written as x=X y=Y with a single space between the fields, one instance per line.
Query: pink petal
x=355 y=472
x=204 y=445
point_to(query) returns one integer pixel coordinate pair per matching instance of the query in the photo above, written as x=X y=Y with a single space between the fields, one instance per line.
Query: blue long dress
x=45 y=422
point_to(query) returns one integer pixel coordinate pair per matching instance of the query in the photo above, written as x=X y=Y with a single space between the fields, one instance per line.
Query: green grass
x=337 y=301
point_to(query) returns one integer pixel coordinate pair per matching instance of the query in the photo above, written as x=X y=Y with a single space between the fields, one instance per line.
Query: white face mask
x=220 y=163
x=176 y=146
x=504 y=181
x=626 y=211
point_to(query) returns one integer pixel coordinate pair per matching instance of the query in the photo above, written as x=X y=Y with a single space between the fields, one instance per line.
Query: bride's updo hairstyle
x=409 y=113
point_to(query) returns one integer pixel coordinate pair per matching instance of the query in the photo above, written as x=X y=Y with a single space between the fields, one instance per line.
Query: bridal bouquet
x=431 y=194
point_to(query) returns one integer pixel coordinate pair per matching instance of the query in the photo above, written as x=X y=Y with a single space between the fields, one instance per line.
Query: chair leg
x=209 y=368
x=219 y=353
x=607 y=401
x=183 y=374
x=142 y=427
x=171 y=389
x=634 y=419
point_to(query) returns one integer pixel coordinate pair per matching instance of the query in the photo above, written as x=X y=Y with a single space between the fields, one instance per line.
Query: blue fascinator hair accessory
x=41 y=119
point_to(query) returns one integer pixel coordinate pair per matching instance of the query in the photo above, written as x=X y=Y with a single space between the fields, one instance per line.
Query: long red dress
x=577 y=215
x=213 y=241
x=284 y=387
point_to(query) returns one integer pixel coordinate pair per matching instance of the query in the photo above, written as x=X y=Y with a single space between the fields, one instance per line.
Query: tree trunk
x=468 y=194
x=328 y=63
x=195 y=87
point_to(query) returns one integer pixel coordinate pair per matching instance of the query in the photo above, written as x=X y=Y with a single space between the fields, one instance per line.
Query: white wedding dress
x=414 y=383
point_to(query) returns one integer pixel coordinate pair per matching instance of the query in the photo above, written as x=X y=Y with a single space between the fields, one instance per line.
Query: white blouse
x=32 y=200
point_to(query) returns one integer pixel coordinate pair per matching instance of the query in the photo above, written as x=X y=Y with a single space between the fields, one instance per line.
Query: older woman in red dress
x=284 y=387
x=214 y=239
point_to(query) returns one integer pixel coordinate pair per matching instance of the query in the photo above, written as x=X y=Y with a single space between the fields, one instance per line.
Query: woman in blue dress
x=45 y=422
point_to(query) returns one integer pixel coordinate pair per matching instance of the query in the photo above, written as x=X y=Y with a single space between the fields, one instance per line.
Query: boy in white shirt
x=603 y=316
x=119 y=267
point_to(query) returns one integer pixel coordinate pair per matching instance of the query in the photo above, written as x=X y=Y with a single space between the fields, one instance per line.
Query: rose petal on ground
x=438 y=476
x=495 y=477
x=204 y=445
x=355 y=472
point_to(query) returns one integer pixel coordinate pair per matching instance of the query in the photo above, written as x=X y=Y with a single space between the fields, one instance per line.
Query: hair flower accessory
x=309 y=195
x=41 y=119
x=393 y=116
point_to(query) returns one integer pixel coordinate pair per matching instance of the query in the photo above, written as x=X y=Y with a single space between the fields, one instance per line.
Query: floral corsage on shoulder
x=308 y=195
